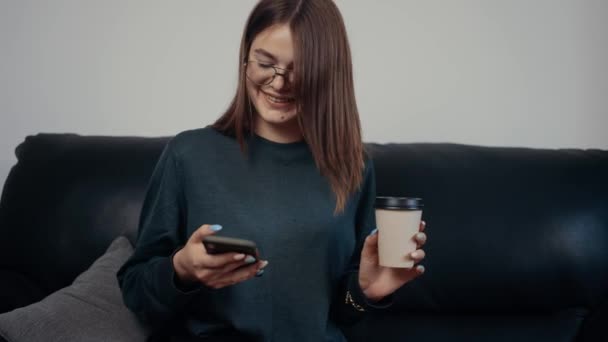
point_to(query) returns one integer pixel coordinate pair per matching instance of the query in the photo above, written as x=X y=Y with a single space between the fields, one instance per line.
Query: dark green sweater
x=275 y=197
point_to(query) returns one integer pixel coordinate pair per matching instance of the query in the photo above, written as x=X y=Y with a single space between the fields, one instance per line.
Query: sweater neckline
x=277 y=145
x=284 y=152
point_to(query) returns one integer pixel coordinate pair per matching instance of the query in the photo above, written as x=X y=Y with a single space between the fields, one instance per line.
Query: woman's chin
x=277 y=117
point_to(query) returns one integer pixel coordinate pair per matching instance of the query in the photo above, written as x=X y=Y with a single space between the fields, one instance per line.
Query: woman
x=284 y=167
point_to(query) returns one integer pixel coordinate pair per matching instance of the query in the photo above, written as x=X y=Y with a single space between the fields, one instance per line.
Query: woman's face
x=274 y=102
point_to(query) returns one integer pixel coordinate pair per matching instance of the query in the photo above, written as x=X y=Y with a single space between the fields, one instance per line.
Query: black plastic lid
x=399 y=203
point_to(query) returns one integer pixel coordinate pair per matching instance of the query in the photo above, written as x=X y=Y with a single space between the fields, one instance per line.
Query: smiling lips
x=278 y=100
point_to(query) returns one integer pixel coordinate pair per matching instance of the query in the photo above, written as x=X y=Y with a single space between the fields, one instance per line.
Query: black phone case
x=220 y=244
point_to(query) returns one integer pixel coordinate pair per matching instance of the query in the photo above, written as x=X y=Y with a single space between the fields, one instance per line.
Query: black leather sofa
x=517 y=251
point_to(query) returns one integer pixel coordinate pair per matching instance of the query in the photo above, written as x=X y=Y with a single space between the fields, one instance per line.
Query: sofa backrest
x=518 y=243
x=510 y=229
x=62 y=204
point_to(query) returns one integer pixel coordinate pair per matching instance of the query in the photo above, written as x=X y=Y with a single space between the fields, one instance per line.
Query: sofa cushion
x=91 y=309
x=561 y=326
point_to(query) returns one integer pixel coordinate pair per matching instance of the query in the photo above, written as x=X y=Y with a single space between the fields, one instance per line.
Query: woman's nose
x=279 y=83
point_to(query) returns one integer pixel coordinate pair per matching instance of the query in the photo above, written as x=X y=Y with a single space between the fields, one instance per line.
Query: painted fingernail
x=424 y=223
x=420 y=268
x=216 y=227
x=249 y=259
x=374 y=231
x=264 y=264
x=420 y=236
x=239 y=256
x=414 y=254
x=259 y=273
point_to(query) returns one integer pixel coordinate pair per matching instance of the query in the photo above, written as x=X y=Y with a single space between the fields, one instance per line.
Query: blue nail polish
x=374 y=231
x=249 y=259
x=216 y=227
x=259 y=273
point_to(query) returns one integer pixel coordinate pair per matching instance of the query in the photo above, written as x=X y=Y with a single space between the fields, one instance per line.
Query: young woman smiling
x=285 y=167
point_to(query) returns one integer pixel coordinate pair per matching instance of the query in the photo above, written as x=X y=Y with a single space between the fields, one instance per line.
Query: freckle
x=282 y=118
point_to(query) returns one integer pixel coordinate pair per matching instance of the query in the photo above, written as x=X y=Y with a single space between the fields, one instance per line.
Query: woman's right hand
x=193 y=265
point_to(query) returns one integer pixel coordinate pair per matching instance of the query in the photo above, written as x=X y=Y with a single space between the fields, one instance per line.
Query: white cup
x=398 y=221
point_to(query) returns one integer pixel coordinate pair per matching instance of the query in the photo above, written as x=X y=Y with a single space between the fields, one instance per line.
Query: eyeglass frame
x=276 y=72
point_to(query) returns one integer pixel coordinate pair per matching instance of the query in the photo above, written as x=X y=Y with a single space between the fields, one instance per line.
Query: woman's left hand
x=378 y=281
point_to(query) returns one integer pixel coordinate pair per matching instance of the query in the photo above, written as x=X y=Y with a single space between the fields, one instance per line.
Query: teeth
x=278 y=100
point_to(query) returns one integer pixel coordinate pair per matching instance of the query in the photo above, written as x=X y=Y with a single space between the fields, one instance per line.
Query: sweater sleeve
x=350 y=303
x=148 y=280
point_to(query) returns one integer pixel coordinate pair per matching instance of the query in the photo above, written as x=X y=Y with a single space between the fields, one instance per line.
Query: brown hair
x=324 y=90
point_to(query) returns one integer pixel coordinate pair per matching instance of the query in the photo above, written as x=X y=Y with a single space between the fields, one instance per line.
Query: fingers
x=248 y=260
x=417 y=255
x=370 y=246
x=205 y=230
x=420 y=238
x=223 y=265
x=219 y=261
x=237 y=276
x=422 y=225
x=420 y=269
x=405 y=275
x=372 y=239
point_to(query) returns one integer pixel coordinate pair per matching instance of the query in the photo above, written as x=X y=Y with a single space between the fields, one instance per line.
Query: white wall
x=489 y=72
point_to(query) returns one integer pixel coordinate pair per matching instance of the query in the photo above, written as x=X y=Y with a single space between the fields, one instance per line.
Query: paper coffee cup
x=398 y=221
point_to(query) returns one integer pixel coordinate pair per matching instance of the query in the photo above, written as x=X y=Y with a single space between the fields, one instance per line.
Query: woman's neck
x=283 y=133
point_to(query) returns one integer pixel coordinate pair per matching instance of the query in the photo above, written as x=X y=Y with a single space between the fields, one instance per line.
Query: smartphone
x=221 y=244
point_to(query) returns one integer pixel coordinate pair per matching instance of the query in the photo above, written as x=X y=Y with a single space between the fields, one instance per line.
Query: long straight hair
x=323 y=85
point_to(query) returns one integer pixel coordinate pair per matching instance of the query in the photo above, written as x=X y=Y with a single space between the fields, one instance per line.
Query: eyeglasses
x=264 y=73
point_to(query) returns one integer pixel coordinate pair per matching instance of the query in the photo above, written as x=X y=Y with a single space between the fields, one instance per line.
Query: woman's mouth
x=278 y=100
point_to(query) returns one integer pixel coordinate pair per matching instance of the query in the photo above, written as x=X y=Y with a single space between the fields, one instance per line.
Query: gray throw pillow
x=91 y=309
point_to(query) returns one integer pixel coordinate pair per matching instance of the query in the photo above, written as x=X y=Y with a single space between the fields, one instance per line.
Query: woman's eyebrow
x=265 y=54
x=270 y=56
